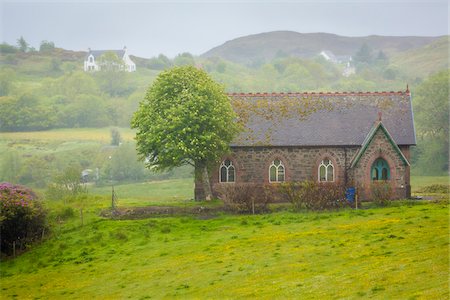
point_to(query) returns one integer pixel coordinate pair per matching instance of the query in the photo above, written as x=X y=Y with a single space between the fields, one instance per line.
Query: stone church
x=353 y=138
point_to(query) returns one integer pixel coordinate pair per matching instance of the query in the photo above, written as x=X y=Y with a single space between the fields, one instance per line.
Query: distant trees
x=184 y=59
x=46 y=46
x=7 y=78
x=382 y=57
x=6 y=48
x=22 y=44
x=24 y=113
x=363 y=55
x=431 y=108
x=159 y=63
x=116 y=139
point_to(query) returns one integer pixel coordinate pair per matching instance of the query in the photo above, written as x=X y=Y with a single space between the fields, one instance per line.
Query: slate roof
x=98 y=53
x=321 y=119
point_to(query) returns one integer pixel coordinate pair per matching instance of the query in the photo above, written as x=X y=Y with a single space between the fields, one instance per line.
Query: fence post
x=14 y=249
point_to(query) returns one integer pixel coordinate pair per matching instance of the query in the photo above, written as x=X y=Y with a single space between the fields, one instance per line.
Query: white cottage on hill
x=92 y=60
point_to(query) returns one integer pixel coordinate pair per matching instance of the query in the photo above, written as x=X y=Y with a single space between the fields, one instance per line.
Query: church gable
x=379 y=138
x=380 y=159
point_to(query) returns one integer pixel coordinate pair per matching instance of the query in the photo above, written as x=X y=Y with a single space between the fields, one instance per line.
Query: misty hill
x=266 y=46
x=424 y=60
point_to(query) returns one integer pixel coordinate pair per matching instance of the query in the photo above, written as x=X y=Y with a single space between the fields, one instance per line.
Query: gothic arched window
x=326 y=171
x=226 y=171
x=380 y=170
x=276 y=171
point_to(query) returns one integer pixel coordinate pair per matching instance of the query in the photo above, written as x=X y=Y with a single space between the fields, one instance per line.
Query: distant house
x=337 y=59
x=355 y=139
x=329 y=56
x=92 y=61
x=340 y=59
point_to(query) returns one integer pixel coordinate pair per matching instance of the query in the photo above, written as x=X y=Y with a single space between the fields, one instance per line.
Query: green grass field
x=419 y=182
x=398 y=252
x=67 y=135
x=164 y=192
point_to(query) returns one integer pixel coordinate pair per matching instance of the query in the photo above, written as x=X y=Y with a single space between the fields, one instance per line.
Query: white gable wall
x=90 y=64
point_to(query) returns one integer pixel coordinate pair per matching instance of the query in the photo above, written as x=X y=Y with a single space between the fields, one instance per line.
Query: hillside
x=266 y=46
x=425 y=60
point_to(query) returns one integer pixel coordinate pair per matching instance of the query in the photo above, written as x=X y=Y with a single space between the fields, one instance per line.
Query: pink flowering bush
x=22 y=218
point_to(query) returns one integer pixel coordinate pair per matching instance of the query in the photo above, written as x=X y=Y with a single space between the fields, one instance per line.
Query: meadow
x=397 y=252
x=394 y=252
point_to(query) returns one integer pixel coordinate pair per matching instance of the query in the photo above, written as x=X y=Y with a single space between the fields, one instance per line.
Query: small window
x=380 y=170
x=276 y=171
x=227 y=171
x=326 y=171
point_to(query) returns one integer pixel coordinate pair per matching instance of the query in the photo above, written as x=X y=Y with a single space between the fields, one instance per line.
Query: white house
x=340 y=59
x=91 y=61
x=337 y=59
x=328 y=55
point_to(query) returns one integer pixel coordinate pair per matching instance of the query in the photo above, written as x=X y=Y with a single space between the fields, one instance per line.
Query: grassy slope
x=425 y=60
x=418 y=182
x=396 y=252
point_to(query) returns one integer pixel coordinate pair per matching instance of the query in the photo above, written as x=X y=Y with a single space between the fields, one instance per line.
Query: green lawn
x=398 y=252
x=418 y=182
x=150 y=193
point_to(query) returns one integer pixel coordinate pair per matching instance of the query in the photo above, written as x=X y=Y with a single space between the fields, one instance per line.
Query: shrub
x=381 y=192
x=66 y=186
x=314 y=195
x=22 y=217
x=246 y=197
x=436 y=189
x=115 y=137
x=66 y=213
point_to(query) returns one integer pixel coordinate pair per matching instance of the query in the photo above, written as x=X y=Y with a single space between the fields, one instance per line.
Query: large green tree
x=186 y=118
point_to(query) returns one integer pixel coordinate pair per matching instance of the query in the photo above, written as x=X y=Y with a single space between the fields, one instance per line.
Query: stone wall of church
x=302 y=163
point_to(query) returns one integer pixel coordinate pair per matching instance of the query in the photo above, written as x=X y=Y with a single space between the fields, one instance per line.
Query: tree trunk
x=206 y=184
x=202 y=184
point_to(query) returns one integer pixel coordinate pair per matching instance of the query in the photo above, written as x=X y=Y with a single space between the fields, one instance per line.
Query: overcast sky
x=148 y=28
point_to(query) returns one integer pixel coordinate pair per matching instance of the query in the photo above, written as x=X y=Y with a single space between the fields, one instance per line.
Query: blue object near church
x=350 y=194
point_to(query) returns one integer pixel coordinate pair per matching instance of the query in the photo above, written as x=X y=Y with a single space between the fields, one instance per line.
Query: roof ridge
x=344 y=93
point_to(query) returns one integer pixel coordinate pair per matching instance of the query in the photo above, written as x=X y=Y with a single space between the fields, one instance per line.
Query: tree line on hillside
x=48 y=89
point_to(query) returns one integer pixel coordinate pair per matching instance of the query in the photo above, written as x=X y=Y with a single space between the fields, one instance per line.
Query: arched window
x=226 y=171
x=91 y=59
x=326 y=170
x=380 y=170
x=276 y=171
